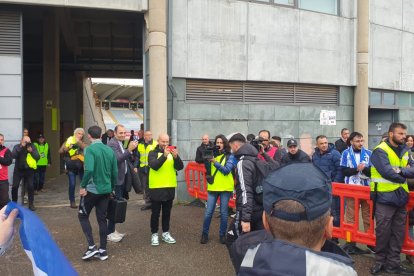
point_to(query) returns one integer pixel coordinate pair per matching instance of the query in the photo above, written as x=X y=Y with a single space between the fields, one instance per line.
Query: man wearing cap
x=294 y=155
x=297 y=200
x=43 y=149
x=391 y=166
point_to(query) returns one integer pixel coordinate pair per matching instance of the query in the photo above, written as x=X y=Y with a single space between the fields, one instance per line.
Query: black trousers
x=39 y=178
x=4 y=192
x=144 y=181
x=156 y=207
x=100 y=202
x=27 y=176
x=390 y=231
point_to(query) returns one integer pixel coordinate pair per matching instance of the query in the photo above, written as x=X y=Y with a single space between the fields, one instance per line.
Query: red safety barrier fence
x=197 y=183
x=351 y=232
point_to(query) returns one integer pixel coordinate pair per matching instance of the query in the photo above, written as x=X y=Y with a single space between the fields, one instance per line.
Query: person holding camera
x=26 y=156
x=73 y=149
x=220 y=185
x=164 y=162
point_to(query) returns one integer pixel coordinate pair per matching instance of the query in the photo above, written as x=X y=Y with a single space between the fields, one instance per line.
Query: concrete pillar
x=51 y=89
x=361 y=99
x=156 y=18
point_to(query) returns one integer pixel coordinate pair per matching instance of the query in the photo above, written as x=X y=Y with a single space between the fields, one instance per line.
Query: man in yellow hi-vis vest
x=143 y=150
x=390 y=169
x=164 y=163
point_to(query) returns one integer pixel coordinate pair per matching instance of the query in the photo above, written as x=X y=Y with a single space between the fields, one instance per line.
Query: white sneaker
x=168 y=238
x=113 y=238
x=154 y=239
x=119 y=234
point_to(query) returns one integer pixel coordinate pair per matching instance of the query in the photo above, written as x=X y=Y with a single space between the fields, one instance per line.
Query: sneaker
x=154 y=239
x=90 y=252
x=113 y=237
x=31 y=207
x=204 y=239
x=119 y=234
x=166 y=237
x=371 y=249
x=102 y=255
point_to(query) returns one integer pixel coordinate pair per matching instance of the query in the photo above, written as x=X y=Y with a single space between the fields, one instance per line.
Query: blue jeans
x=119 y=193
x=72 y=183
x=224 y=211
x=335 y=210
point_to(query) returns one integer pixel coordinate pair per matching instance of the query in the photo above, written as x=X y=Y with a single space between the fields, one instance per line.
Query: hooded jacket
x=329 y=162
x=246 y=178
x=299 y=157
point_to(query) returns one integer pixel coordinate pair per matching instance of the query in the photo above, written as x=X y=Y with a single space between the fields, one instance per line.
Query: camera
x=208 y=152
x=256 y=143
x=28 y=145
x=171 y=148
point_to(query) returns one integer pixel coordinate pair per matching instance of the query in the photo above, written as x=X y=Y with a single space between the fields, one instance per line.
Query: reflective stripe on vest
x=222 y=183
x=384 y=185
x=165 y=176
x=4 y=171
x=43 y=151
x=144 y=151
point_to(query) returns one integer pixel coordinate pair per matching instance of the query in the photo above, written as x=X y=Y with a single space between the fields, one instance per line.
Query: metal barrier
x=197 y=188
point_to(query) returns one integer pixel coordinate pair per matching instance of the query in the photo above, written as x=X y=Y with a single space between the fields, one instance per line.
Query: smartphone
x=171 y=147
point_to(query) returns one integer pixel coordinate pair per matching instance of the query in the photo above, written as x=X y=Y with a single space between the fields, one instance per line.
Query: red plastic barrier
x=197 y=184
x=350 y=231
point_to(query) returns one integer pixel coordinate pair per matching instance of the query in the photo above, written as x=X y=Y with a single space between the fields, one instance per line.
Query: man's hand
x=360 y=167
x=83 y=192
x=212 y=160
x=7 y=225
x=174 y=153
x=133 y=145
x=166 y=151
x=245 y=227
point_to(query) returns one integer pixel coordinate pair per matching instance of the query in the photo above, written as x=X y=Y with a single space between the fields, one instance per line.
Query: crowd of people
x=284 y=203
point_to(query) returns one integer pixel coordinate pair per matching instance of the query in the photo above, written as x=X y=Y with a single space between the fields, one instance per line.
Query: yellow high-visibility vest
x=71 y=141
x=144 y=151
x=384 y=185
x=31 y=162
x=222 y=183
x=165 y=176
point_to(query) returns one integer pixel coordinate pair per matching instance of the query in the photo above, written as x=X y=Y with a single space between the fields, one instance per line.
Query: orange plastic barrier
x=197 y=188
x=197 y=183
x=350 y=231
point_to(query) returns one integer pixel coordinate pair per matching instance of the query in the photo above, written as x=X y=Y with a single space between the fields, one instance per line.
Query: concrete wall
x=301 y=122
x=392 y=44
x=127 y=5
x=253 y=41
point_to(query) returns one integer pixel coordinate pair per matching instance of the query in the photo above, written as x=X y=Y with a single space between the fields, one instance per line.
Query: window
x=382 y=98
x=325 y=6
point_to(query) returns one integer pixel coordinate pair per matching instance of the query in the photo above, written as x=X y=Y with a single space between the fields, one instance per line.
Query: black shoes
x=371 y=249
x=400 y=270
x=376 y=269
x=145 y=207
x=31 y=207
x=90 y=252
x=223 y=239
x=73 y=205
x=102 y=255
x=204 y=239
x=352 y=249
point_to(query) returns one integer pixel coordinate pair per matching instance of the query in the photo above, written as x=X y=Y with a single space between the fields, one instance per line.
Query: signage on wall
x=327 y=118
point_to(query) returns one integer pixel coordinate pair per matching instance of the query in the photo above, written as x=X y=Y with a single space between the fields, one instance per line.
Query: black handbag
x=133 y=180
x=116 y=210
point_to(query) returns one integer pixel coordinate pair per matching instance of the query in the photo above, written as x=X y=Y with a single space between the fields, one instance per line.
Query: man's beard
x=396 y=141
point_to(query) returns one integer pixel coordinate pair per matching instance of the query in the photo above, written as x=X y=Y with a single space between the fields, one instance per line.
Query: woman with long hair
x=220 y=185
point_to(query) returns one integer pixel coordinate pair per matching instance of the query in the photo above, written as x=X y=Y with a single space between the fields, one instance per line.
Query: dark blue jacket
x=277 y=257
x=329 y=163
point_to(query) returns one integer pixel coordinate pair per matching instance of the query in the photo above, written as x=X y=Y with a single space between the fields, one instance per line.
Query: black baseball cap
x=301 y=182
x=292 y=142
x=41 y=136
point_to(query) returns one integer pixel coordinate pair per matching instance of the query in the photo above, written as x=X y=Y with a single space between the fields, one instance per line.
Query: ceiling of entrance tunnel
x=118 y=89
x=101 y=43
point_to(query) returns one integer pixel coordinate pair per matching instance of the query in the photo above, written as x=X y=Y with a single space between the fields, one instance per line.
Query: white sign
x=328 y=118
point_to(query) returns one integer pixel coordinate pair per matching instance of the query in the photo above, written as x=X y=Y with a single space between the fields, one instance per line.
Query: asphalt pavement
x=134 y=255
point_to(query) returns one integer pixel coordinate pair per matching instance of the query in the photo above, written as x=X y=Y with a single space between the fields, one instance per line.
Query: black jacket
x=20 y=153
x=162 y=194
x=246 y=178
x=299 y=157
x=340 y=145
x=199 y=152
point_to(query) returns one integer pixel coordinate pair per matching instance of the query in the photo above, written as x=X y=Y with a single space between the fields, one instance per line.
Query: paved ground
x=134 y=255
